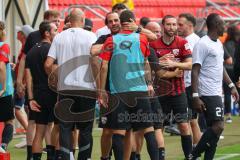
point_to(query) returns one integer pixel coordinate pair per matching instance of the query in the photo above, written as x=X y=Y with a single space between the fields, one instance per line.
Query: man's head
x=144 y=21
x=77 y=18
x=233 y=32
x=215 y=24
x=127 y=16
x=155 y=28
x=169 y=23
x=52 y=16
x=48 y=30
x=2 y=31
x=113 y=22
x=186 y=24
x=118 y=8
x=23 y=32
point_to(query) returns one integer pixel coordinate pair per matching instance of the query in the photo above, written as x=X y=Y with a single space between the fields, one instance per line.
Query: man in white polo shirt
x=207 y=76
x=186 y=24
x=71 y=50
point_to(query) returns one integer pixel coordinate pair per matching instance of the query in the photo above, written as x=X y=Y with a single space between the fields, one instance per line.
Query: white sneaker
x=2 y=150
x=228 y=120
x=221 y=137
x=22 y=144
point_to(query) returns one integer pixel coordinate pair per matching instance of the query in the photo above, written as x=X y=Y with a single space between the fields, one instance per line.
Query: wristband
x=195 y=95
x=30 y=99
x=231 y=85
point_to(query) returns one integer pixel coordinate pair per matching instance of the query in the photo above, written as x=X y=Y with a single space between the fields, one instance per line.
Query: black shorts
x=6 y=108
x=192 y=113
x=125 y=117
x=157 y=113
x=79 y=110
x=177 y=105
x=214 y=109
x=47 y=101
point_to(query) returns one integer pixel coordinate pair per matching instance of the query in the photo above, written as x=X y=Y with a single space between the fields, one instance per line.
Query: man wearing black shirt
x=33 y=39
x=41 y=98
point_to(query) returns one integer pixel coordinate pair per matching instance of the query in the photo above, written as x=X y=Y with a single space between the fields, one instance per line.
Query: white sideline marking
x=226 y=156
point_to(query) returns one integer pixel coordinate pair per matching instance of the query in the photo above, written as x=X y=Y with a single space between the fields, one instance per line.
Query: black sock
x=50 y=152
x=161 y=153
x=204 y=142
x=211 y=149
x=187 y=145
x=29 y=152
x=7 y=134
x=37 y=156
x=85 y=144
x=152 y=145
x=133 y=156
x=58 y=155
x=138 y=157
x=117 y=145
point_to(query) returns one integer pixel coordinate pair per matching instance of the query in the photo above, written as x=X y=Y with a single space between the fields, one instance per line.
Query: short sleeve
x=199 y=53
x=107 y=49
x=4 y=53
x=101 y=39
x=186 y=50
x=153 y=60
x=53 y=49
x=144 y=44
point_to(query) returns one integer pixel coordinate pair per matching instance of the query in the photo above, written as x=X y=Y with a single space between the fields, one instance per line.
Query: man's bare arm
x=48 y=65
x=96 y=49
x=29 y=84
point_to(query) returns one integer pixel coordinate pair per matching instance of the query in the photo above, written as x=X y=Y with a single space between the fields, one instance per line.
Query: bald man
x=69 y=46
x=155 y=28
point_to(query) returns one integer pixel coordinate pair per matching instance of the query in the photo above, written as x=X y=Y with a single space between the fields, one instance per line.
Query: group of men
x=140 y=76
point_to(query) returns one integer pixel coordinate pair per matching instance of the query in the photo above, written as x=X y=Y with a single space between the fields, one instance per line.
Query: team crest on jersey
x=175 y=52
x=104 y=120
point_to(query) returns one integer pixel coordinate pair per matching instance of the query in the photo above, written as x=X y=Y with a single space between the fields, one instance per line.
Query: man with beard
x=174 y=53
x=41 y=98
x=113 y=23
x=207 y=75
x=186 y=24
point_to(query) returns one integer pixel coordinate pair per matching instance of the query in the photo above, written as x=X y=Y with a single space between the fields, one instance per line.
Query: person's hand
x=103 y=99
x=167 y=56
x=235 y=94
x=132 y=26
x=13 y=66
x=168 y=63
x=2 y=92
x=151 y=92
x=178 y=72
x=198 y=104
x=34 y=106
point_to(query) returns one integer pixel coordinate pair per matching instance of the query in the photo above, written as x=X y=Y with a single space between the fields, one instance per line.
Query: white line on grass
x=226 y=156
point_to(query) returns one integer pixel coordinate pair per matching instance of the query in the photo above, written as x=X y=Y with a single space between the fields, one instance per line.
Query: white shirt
x=71 y=49
x=209 y=54
x=192 y=40
x=103 y=31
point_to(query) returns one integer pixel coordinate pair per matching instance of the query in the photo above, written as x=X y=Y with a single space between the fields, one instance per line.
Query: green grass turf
x=230 y=145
